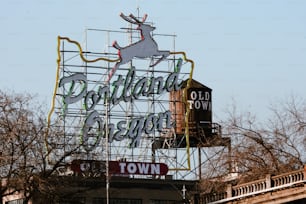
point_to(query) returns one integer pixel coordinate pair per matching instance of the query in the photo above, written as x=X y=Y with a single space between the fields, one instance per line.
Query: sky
x=250 y=52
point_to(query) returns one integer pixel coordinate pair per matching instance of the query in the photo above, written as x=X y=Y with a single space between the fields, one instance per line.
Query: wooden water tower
x=202 y=131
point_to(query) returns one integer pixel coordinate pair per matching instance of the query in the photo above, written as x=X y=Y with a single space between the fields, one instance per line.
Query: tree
x=24 y=158
x=272 y=147
x=21 y=129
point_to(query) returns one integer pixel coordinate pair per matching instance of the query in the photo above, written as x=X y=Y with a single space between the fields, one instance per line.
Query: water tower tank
x=199 y=103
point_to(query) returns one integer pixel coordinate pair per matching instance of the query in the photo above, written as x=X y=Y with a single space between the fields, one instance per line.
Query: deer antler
x=126 y=18
x=135 y=19
x=132 y=19
x=144 y=18
x=139 y=22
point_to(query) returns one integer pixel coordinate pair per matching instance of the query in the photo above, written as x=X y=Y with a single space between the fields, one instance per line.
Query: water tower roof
x=195 y=84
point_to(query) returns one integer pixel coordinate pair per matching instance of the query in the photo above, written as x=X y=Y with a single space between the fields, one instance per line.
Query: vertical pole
x=229 y=192
x=106 y=133
x=106 y=149
x=200 y=163
x=184 y=192
x=304 y=172
x=229 y=146
x=107 y=161
x=268 y=181
x=64 y=116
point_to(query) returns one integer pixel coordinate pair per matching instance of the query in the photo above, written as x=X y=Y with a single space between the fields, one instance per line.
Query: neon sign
x=143 y=87
x=120 y=85
x=146 y=47
x=199 y=99
x=129 y=90
x=119 y=167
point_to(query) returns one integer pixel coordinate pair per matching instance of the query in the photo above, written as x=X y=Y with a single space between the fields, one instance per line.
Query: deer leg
x=164 y=54
x=160 y=59
x=115 y=45
x=112 y=72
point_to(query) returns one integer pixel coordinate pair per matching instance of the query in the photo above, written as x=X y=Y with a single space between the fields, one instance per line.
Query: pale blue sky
x=250 y=51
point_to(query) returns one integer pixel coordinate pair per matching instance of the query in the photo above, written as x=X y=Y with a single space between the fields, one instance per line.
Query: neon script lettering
x=123 y=89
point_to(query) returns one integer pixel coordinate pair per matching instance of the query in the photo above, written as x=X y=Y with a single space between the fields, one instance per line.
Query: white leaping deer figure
x=146 y=47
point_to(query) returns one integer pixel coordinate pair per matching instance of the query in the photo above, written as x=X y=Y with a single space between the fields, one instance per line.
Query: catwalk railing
x=268 y=184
